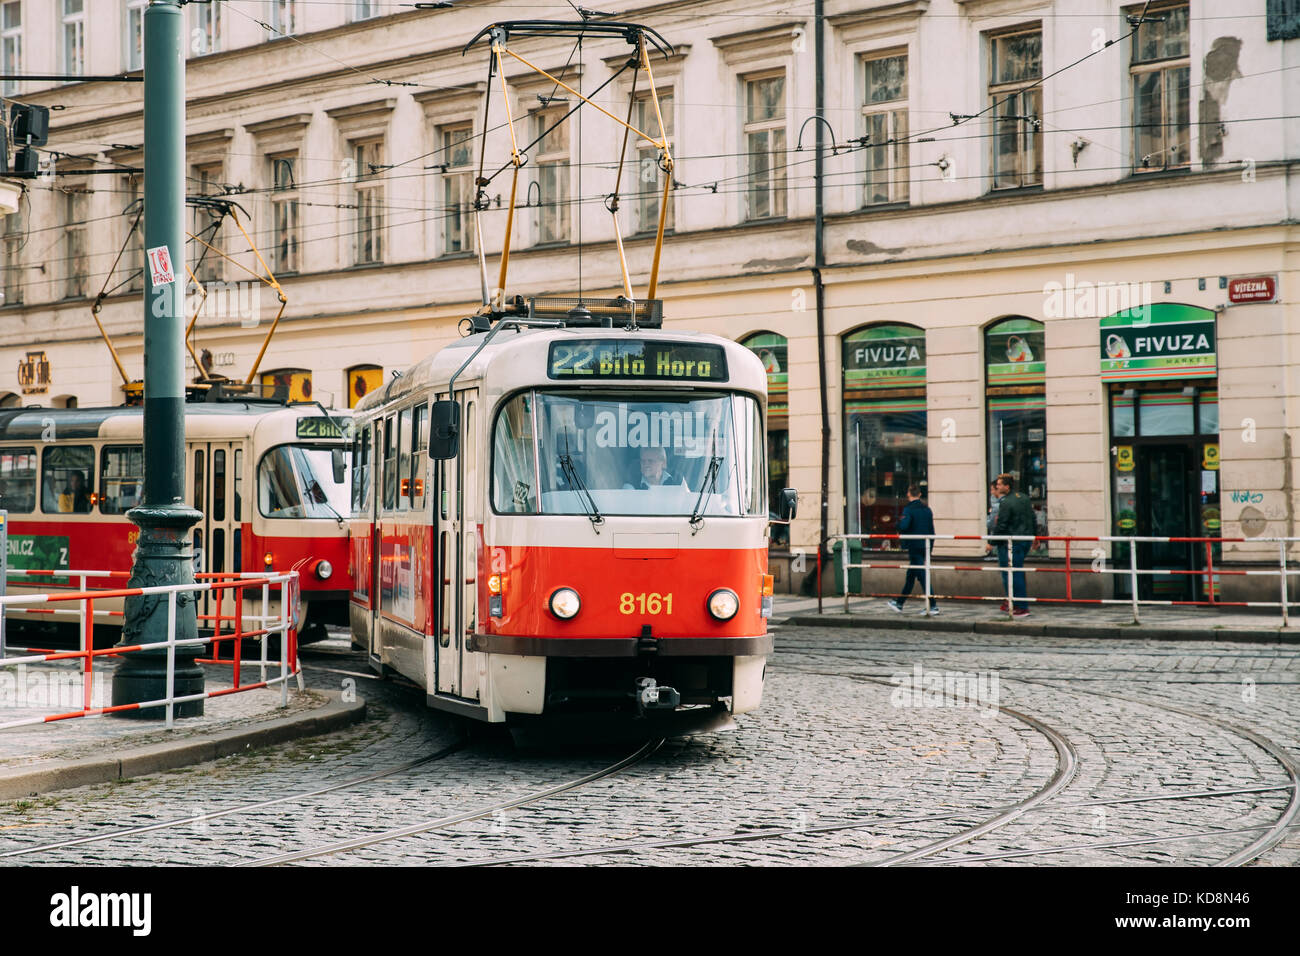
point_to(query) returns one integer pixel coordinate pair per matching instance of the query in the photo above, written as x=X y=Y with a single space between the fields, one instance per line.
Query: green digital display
x=321 y=427
x=636 y=359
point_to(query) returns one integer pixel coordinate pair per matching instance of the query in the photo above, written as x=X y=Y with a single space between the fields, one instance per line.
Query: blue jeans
x=916 y=575
x=1017 y=584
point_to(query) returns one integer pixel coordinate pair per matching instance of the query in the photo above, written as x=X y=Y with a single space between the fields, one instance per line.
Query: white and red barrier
x=266 y=623
x=1210 y=573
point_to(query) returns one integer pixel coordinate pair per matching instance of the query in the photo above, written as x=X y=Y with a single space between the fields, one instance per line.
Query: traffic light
x=30 y=127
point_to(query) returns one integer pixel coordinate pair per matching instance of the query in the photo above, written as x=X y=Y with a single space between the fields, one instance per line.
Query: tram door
x=456 y=550
x=215 y=486
x=371 y=508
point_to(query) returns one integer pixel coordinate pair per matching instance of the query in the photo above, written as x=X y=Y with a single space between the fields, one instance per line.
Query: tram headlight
x=723 y=604
x=324 y=569
x=565 y=603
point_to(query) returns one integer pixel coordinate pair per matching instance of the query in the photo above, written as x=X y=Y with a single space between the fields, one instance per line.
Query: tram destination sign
x=321 y=427
x=636 y=359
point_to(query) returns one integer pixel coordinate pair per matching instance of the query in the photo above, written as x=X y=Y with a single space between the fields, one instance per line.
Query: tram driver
x=75 y=498
x=654 y=469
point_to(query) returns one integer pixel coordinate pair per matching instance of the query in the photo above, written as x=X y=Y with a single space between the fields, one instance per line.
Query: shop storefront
x=1159 y=366
x=1016 y=398
x=884 y=425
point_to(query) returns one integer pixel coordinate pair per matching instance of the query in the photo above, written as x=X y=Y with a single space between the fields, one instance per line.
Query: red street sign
x=1252 y=289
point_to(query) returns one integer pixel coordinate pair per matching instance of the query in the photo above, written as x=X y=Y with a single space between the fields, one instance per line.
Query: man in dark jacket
x=917 y=519
x=1015 y=518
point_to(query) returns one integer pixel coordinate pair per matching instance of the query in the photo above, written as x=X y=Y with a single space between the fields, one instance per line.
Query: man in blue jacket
x=917 y=519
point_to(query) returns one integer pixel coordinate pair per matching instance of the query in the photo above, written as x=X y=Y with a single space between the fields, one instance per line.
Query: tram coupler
x=651 y=696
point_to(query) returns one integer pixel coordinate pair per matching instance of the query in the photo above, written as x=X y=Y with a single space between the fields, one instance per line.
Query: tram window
x=361 y=471
x=18 y=480
x=514 y=479
x=297 y=481
x=121 y=478
x=404 y=488
x=239 y=491
x=219 y=485
x=390 y=462
x=419 y=460
x=198 y=479
x=67 y=474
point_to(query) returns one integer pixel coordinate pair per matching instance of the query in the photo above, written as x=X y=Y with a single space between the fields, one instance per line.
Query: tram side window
x=514 y=482
x=66 y=476
x=121 y=478
x=405 y=485
x=419 y=458
x=390 y=462
x=18 y=480
x=361 y=470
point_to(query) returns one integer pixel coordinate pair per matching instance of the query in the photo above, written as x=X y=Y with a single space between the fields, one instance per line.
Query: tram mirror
x=444 y=430
x=789 y=504
x=337 y=463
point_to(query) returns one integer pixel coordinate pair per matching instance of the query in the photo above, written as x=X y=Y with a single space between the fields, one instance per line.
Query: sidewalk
x=84 y=750
x=1046 y=620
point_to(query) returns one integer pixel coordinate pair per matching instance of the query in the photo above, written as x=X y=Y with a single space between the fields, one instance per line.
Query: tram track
x=1274 y=832
x=644 y=752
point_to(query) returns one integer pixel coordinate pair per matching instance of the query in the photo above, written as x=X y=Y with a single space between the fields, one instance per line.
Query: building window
x=74 y=37
x=885 y=426
x=1015 y=394
x=284 y=206
x=1016 y=106
x=134 y=34
x=457 y=187
x=365 y=9
x=368 y=189
x=649 y=182
x=11 y=43
x=552 y=175
x=284 y=17
x=131 y=276
x=74 y=227
x=15 y=238
x=205 y=37
x=288 y=384
x=765 y=147
x=1161 y=101
x=771 y=350
x=884 y=121
x=362 y=380
x=207 y=266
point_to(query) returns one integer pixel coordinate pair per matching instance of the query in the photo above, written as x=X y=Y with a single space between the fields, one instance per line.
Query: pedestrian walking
x=1015 y=518
x=917 y=519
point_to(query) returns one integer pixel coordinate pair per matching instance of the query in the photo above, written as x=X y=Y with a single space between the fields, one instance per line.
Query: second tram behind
x=587 y=533
x=271 y=481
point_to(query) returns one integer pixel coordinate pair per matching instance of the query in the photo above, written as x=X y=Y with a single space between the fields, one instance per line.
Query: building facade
x=1060 y=243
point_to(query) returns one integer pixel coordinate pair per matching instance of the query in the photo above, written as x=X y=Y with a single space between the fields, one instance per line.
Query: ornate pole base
x=163 y=556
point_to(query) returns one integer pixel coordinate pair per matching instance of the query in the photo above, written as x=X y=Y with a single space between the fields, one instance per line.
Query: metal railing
x=266 y=623
x=1071 y=568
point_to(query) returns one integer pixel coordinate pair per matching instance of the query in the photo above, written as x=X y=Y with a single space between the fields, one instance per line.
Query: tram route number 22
x=652 y=603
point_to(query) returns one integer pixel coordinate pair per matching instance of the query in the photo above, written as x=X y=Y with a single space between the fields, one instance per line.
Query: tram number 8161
x=652 y=603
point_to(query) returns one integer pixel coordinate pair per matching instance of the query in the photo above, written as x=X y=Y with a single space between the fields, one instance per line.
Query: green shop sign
x=885 y=356
x=1158 y=341
x=1014 y=353
x=38 y=552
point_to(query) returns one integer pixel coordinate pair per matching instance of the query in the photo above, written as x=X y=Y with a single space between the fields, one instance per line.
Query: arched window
x=1015 y=394
x=771 y=350
x=362 y=380
x=291 y=384
x=10 y=400
x=884 y=426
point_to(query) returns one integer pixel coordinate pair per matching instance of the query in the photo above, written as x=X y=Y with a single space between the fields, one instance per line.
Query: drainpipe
x=819 y=262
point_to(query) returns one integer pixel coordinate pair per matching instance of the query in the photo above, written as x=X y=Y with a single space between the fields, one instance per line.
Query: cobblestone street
x=858 y=755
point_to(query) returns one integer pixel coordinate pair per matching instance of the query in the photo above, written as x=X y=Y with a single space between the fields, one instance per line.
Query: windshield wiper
x=571 y=475
x=316 y=494
x=710 y=480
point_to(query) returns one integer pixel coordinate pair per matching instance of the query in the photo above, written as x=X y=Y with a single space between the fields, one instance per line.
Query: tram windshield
x=567 y=453
x=298 y=481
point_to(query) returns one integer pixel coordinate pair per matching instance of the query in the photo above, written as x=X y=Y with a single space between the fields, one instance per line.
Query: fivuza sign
x=1164 y=341
x=885 y=356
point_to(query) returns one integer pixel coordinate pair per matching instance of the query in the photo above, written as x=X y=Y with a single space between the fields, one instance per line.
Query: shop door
x=1166 y=510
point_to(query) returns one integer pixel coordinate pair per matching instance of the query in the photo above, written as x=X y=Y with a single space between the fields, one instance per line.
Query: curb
x=64 y=774
x=1240 y=635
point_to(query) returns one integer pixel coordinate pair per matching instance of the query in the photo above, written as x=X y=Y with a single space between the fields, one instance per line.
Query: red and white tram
x=583 y=529
x=271 y=481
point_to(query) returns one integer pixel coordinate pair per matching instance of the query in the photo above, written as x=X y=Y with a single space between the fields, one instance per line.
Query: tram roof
x=517 y=359
x=31 y=424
